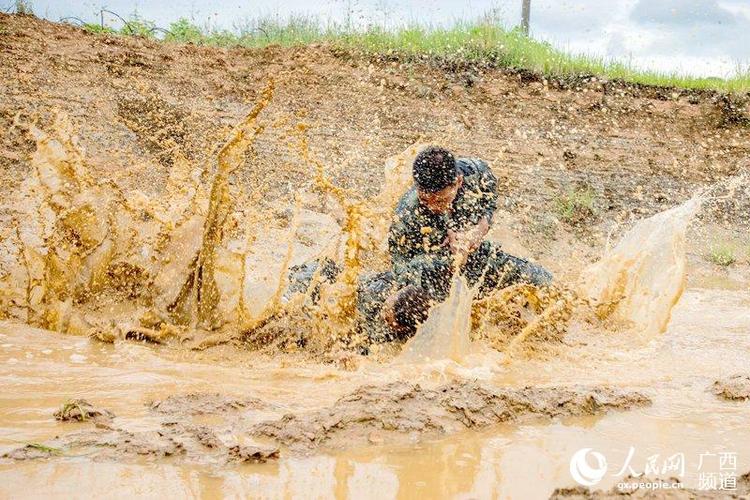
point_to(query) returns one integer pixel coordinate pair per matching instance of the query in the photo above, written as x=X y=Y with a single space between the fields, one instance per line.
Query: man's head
x=406 y=309
x=437 y=178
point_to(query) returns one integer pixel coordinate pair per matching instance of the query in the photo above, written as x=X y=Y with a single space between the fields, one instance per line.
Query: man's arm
x=429 y=269
x=481 y=203
x=465 y=242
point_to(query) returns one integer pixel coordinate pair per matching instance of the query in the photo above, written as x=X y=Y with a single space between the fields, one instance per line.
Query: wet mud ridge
x=380 y=413
x=370 y=415
x=175 y=437
x=201 y=403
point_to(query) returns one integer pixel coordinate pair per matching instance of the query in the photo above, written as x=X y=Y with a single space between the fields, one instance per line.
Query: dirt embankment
x=138 y=102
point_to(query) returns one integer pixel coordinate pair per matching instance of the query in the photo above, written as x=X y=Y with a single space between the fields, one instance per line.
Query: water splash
x=636 y=284
x=445 y=335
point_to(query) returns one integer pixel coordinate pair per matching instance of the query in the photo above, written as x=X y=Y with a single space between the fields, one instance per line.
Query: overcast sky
x=700 y=37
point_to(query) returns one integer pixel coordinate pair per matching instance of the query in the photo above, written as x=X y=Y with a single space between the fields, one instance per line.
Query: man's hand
x=465 y=242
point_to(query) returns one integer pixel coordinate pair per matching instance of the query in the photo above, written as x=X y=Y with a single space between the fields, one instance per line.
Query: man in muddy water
x=439 y=228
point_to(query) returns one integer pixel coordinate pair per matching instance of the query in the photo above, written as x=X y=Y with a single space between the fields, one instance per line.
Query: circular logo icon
x=582 y=472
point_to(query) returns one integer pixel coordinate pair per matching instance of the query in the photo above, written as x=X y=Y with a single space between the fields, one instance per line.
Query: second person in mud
x=438 y=230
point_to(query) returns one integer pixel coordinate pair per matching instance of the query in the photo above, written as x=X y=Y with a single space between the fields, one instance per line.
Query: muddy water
x=706 y=340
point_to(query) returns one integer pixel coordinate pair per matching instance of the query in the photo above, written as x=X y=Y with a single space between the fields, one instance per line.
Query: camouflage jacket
x=417 y=237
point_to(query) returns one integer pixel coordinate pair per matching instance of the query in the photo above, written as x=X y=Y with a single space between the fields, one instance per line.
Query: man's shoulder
x=472 y=166
x=408 y=203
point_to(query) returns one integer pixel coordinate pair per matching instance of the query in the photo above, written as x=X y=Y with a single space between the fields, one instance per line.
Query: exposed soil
x=735 y=388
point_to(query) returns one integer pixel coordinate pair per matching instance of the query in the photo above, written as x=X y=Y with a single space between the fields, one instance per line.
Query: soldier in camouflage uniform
x=439 y=225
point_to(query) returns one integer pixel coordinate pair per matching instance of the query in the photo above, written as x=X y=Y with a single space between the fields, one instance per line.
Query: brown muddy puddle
x=707 y=339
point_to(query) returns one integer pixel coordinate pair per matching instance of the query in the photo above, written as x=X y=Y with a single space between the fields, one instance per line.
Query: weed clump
x=23 y=8
x=722 y=255
x=81 y=410
x=99 y=29
x=184 y=31
x=576 y=206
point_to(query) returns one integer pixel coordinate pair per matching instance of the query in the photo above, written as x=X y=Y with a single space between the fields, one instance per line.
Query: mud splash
x=445 y=335
x=637 y=283
x=633 y=287
x=86 y=258
x=175 y=267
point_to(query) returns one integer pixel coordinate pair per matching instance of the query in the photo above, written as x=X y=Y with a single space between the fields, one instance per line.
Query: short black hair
x=434 y=169
x=411 y=307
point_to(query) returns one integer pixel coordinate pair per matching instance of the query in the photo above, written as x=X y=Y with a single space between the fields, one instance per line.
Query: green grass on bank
x=481 y=42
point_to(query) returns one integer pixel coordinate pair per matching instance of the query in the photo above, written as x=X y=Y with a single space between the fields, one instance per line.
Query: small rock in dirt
x=206 y=437
x=252 y=454
x=735 y=388
x=102 y=335
x=201 y=403
x=81 y=410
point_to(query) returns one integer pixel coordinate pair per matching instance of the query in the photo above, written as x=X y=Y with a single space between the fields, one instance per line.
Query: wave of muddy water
x=181 y=271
